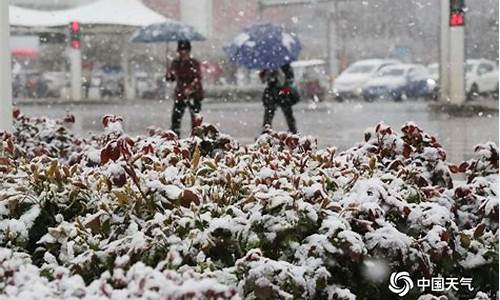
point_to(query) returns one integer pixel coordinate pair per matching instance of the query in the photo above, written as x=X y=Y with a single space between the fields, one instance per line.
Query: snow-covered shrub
x=22 y=280
x=159 y=217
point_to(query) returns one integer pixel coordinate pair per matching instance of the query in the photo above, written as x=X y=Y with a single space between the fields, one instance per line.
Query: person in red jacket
x=188 y=92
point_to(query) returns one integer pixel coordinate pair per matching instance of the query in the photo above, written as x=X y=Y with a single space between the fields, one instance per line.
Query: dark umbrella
x=264 y=46
x=166 y=32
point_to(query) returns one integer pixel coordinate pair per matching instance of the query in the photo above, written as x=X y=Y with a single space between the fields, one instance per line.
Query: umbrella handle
x=167 y=54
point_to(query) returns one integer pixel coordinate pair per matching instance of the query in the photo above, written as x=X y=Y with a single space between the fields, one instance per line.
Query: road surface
x=338 y=124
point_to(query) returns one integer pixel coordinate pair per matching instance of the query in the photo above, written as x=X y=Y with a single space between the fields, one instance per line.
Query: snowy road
x=339 y=124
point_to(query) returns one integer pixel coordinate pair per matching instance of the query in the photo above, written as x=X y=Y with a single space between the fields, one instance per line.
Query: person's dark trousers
x=271 y=102
x=178 y=111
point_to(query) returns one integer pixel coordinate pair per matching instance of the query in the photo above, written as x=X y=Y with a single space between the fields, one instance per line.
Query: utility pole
x=444 y=53
x=452 y=54
x=333 y=42
x=260 y=10
x=128 y=81
x=5 y=70
x=457 y=52
x=75 y=58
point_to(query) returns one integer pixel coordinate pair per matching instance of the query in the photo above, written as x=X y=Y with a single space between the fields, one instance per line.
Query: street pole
x=260 y=10
x=128 y=82
x=332 y=43
x=75 y=58
x=5 y=69
x=457 y=52
x=457 y=59
x=444 y=53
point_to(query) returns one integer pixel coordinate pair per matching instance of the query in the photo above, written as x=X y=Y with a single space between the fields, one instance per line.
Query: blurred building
x=49 y=4
x=375 y=28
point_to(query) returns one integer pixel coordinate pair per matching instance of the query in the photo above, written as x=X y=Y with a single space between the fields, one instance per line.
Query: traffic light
x=75 y=35
x=457 y=12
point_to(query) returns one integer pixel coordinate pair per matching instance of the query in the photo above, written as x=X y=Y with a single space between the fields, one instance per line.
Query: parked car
x=110 y=81
x=398 y=82
x=481 y=77
x=94 y=91
x=144 y=85
x=55 y=81
x=434 y=71
x=30 y=84
x=350 y=82
x=312 y=79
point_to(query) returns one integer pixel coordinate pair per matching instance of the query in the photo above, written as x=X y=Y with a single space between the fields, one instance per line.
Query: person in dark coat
x=186 y=71
x=279 y=92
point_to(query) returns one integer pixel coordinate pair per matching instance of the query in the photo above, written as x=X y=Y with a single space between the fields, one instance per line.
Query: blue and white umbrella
x=166 y=32
x=264 y=46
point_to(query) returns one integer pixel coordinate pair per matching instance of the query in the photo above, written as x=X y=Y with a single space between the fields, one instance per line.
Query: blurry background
x=406 y=30
x=367 y=28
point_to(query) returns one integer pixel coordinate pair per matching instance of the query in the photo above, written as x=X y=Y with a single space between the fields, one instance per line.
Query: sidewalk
x=60 y=101
x=212 y=93
x=481 y=105
x=235 y=92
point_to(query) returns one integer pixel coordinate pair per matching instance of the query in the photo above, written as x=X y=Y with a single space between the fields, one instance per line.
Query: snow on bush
x=156 y=217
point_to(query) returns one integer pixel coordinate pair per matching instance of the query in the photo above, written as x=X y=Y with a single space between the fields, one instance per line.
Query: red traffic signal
x=457 y=19
x=75 y=35
x=457 y=12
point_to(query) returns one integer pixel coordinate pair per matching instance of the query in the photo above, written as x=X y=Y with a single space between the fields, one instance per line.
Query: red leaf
x=445 y=236
x=292 y=141
x=16 y=113
x=463 y=167
x=114 y=152
x=185 y=153
x=147 y=149
x=69 y=119
x=129 y=141
x=4 y=161
x=122 y=146
x=189 y=197
x=119 y=180
x=306 y=145
x=105 y=120
x=406 y=150
x=454 y=169
x=461 y=192
x=10 y=146
x=406 y=210
x=105 y=155
x=421 y=181
x=169 y=136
